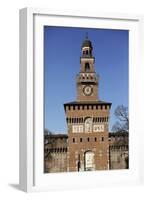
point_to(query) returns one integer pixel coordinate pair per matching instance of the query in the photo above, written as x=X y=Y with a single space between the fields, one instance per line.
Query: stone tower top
x=87 y=47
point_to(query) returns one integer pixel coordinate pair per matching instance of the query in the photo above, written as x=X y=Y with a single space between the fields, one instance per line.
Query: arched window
x=87 y=67
x=88 y=125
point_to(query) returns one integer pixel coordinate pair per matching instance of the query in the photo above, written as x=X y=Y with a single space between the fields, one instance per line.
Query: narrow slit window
x=87 y=67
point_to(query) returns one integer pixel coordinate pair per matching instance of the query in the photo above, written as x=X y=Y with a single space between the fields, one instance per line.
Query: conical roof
x=87 y=43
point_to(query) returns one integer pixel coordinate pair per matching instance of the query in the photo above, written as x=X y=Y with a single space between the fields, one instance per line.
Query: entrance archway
x=89 y=161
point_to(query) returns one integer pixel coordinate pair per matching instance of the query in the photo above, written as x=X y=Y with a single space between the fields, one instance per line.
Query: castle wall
x=119 y=150
x=119 y=157
x=56 y=153
x=93 y=141
x=56 y=162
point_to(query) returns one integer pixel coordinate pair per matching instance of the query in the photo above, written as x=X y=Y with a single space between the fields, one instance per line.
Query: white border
x=31 y=99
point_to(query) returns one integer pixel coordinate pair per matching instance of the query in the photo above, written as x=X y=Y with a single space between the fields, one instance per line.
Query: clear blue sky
x=62 y=51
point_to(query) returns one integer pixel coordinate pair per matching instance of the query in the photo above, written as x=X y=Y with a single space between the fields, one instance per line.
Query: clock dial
x=88 y=90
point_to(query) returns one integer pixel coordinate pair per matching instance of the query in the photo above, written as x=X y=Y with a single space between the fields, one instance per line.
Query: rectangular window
x=80 y=128
x=77 y=128
x=98 y=128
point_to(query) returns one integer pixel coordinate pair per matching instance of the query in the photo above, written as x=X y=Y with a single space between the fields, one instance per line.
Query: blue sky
x=62 y=51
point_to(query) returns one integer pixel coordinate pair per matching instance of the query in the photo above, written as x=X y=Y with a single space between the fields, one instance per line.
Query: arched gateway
x=89 y=161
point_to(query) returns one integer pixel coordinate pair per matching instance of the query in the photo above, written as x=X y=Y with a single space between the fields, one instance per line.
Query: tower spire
x=86 y=47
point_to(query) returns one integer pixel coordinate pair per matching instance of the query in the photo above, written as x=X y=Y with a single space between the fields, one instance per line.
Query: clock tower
x=87 y=119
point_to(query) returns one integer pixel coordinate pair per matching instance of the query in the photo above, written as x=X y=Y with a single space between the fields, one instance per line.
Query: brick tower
x=87 y=119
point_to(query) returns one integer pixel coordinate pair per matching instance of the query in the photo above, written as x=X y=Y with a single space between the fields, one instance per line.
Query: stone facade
x=119 y=151
x=55 y=153
x=82 y=141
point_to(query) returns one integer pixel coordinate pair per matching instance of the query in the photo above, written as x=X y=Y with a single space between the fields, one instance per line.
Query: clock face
x=88 y=90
